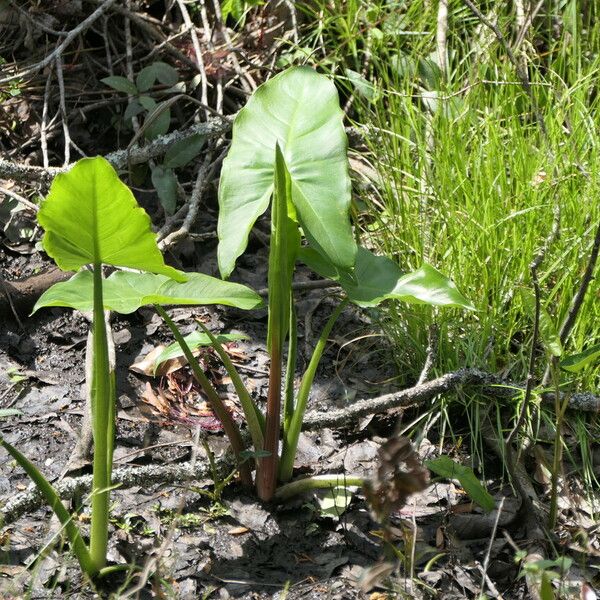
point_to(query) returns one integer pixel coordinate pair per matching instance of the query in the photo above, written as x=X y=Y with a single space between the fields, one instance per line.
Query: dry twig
x=520 y=69
x=577 y=302
x=50 y=58
x=189 y=25
x=205 y=175
x=120 y=158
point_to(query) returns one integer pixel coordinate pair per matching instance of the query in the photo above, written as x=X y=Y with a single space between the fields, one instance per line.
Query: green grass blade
x=53 y=500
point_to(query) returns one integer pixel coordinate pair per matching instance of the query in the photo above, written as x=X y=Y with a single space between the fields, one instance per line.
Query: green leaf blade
x=427 y=285
x=90 y=216
x=165 y=183
x=121 y=84
x=124 y=292
x=378 y=278
x=157 y=122
x=184 y=151
x=576 y=362
x=195 y=340
x=445 y=467
x=299 y=110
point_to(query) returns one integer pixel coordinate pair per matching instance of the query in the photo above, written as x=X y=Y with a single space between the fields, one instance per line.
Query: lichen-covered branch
x=493 y=386
x=120 y=158
x=125 y=477
x=31 y=500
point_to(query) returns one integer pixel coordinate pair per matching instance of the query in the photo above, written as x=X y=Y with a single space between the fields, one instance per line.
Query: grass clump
x=471 y=171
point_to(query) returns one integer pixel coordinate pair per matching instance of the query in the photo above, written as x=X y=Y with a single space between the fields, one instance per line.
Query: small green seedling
x=141 y=102
x=92 y=219
x=445 y=467
x=544 y=572
x=157 y=118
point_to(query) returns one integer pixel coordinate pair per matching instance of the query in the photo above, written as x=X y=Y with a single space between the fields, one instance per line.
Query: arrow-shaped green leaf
x=299 y=110
x=90 y=217
x=124 y=292
x=378 y=278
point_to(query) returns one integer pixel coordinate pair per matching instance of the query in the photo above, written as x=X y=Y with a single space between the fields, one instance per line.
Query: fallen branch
x=494 y=386
x=24 y=294
x=414 y=395
x=124 y=477
x=128 y=156
x=120 y=158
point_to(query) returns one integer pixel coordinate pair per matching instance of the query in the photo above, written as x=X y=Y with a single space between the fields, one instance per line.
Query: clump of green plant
x=91 y=219
x=156 y=122
x=289 y=152
x=289 y=146
x=157 y=114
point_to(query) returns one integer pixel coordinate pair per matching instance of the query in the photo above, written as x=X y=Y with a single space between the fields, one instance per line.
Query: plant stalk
x=291 y=436
x=267 y=474
x=103 y=409
x=254 y=418
x=560 y=407
x=284 y=244
x=290 y=369
x=231 y=429
x=318 y=482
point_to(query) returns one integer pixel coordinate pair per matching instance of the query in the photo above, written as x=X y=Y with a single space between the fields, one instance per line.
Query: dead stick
x=50 y=58
x=520 y=70
x=24 y=293
x=125 y=477
x=576 y=304
x=31 y=500
x=494 y=386
x=120 y=158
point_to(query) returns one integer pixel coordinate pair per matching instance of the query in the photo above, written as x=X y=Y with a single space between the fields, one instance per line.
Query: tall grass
x=469 y=179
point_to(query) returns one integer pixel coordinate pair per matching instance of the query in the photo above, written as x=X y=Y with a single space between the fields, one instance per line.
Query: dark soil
x=232 y=544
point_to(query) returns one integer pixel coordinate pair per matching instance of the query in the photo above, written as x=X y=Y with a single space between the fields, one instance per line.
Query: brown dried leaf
x=157 y=402
x=400 y=474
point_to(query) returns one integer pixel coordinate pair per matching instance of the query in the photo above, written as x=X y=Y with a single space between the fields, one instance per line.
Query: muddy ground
x=231 y=544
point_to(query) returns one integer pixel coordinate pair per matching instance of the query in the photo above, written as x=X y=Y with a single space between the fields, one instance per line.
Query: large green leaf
x=90 y=216
x=124 y=292
x=378 y=278
x=299 y=109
